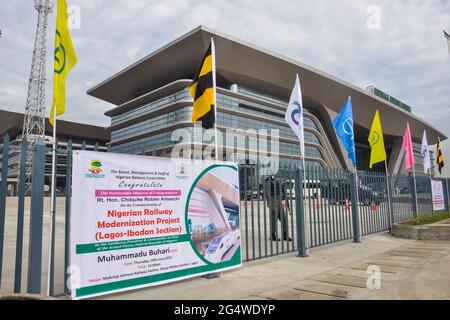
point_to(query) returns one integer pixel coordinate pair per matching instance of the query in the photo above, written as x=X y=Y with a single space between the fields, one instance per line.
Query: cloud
x=407 y=57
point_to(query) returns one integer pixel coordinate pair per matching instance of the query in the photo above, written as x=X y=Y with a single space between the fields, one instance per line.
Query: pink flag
x=407 y=147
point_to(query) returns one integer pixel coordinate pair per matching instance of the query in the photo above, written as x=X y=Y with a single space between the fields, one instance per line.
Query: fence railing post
x=67 y=216
x=51 y=261
x=36 y=219
x=20 y=215
x=413 y=197
x=389 y=196
x=431 y=195
x=300 y=214
x=355 y=208
x=3 y=191
x=447 y=193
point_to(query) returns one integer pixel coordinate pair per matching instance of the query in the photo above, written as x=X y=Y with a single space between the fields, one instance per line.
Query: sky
x=398 y=46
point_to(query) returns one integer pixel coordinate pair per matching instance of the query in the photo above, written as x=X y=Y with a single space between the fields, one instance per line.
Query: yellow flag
x=65 y=59
x=378 y=153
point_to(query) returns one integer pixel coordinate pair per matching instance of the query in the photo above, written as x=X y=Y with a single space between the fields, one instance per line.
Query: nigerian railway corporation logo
x=425 y=151
x=96 y=170
x=347 y=127
x=182 y=173
x=374 y=139
x=60 y=54
x=295 y=115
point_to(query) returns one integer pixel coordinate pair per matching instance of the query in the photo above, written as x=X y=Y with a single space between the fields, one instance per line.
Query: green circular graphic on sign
x=212 y=216
x=60 y=54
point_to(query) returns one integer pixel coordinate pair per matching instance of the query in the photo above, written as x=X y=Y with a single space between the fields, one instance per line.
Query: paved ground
x=409 y=270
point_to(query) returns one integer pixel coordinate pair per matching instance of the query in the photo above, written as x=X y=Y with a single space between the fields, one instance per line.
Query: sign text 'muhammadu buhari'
x=140 y=221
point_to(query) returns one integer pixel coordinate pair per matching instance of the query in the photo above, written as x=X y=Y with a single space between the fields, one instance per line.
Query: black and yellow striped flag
x=440 y=157
x=202 y=91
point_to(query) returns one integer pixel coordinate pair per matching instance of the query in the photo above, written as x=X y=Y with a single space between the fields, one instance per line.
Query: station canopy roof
x=251 y=66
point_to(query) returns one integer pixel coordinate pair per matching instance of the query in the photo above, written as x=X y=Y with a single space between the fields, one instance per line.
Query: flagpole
x=357 y=218
x=410 y=162
x=446 y=174
x=303 y=154
x=213 y=51
x=357 y=195
x=306 y=229
x=52 y=208
x=415 y=191
x=431 y=188
x=446 y=185
x=425 y=149
x=298 y=127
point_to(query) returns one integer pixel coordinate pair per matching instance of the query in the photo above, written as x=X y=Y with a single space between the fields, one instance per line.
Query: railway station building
x=150 y=100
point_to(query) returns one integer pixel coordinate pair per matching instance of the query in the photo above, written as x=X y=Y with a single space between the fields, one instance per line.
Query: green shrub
x=427 y=219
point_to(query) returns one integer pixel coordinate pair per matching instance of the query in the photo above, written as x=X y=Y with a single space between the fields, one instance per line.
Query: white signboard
x=139 y=221
x=437 y=191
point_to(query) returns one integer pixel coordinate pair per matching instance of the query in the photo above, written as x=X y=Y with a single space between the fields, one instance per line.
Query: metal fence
x=336 y=205
x=292 y=211
x=29 y=261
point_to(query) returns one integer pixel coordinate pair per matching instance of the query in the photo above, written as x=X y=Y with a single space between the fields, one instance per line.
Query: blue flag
x=344 y=129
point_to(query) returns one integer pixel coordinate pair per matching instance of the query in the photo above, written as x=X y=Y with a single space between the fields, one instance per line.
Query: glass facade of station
x=241 y=108
x=238 y=110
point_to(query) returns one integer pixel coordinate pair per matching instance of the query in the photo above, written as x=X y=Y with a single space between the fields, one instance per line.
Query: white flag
x=294 y=114
x=426 y=153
